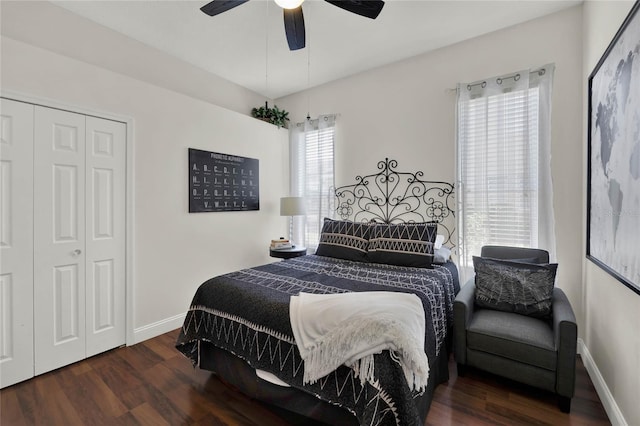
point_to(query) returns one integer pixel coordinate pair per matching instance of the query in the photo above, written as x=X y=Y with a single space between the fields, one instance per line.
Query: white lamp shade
x=292 y=206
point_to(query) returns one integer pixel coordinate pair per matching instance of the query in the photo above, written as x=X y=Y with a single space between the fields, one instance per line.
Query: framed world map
x=613 y=187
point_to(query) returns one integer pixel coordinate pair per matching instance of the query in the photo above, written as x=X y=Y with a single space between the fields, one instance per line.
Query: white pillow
x=439 y=240
x=441 y=255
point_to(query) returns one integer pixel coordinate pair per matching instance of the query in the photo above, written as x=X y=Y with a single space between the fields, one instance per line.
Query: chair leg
x=462 y=369
x=564 y=402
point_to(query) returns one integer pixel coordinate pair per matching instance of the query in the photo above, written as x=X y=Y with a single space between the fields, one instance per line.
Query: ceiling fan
x=293 y=18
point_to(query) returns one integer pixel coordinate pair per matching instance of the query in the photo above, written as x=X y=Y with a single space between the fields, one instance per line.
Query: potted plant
x=279 y=117
x=262 y=113
x=274 y=115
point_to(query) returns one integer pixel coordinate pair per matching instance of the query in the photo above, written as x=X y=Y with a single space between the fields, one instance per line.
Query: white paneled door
x=16 y=242
x=105 y=236
x=59 y=231
x=62 y=236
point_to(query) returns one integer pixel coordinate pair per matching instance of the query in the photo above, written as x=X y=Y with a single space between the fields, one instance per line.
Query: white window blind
x=499 y=137
x=312 y=176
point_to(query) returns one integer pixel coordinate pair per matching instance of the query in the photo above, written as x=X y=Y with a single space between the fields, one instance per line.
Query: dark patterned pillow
x=405 y=244
x=514 y=286
x=344 y=239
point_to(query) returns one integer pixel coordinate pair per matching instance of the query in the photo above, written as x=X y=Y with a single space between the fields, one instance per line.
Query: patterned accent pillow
x=514 y=286
x=405 y=244
x=344 y=239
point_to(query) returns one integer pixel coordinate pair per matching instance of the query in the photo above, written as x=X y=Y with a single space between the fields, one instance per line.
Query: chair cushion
x=513 y=286
x=518 y=337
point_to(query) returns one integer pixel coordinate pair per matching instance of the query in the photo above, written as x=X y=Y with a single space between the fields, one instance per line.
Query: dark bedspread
x=247 y=313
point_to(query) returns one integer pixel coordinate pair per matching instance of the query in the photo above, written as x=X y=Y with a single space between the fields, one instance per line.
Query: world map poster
x=613 y=221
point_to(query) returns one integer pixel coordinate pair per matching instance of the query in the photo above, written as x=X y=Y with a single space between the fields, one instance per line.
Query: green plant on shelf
x=274 y=115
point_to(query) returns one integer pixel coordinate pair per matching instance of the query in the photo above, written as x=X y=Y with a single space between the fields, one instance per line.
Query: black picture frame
x=222 y=182
x=613 y=159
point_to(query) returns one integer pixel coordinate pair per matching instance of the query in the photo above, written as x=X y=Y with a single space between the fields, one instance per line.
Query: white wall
x=174 y=251
x=612 y=310
x=46 y=25
x=406 y=110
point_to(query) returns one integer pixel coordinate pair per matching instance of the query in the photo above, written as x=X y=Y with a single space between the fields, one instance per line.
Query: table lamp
x=292 y=206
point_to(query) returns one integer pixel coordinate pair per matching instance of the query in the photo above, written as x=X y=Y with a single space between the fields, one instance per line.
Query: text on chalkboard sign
x=222 y=182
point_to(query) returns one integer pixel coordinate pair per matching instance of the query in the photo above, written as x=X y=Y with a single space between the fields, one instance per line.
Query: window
x=503 y=163
x=312 y=176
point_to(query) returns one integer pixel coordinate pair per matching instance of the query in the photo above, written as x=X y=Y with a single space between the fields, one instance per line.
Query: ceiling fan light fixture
x=289 y=4
x=293 y=17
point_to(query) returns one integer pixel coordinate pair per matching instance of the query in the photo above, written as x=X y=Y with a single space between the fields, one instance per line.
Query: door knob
x=76 y=252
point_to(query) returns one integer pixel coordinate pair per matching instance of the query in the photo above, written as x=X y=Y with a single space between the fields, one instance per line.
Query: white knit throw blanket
x=349 y=328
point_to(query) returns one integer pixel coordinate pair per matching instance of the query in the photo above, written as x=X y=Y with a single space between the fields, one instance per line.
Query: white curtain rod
x=499 y=80
x=326 y=117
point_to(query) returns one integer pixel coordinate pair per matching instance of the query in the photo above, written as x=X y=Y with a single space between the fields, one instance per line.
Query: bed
x=238 y=324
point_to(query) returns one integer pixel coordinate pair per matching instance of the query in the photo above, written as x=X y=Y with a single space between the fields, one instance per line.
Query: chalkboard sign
x=222 y=182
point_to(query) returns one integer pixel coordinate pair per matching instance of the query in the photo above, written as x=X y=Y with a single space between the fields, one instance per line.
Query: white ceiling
x=243 y=46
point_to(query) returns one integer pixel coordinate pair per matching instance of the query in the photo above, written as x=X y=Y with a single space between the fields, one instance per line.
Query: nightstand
x=288 y=253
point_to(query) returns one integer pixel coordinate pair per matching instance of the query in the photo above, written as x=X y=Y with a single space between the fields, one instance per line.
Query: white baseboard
x=608 y=402
x=150 y=331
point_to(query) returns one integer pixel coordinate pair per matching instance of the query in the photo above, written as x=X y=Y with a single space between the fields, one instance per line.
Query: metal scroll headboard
x=391 y=196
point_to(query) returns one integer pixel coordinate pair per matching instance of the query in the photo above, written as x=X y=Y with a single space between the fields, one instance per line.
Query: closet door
x=59 y=238
x=16 y=242
x=105 y=236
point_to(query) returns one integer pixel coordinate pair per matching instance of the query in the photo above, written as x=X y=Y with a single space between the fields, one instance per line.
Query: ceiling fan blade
x=218 y=6
x=369 y=8
x=294 y=27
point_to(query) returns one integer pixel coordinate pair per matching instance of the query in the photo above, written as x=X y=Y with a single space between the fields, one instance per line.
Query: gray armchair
x=540 y=353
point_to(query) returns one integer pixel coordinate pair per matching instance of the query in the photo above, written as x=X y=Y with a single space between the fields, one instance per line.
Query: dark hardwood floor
x=151 y=383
